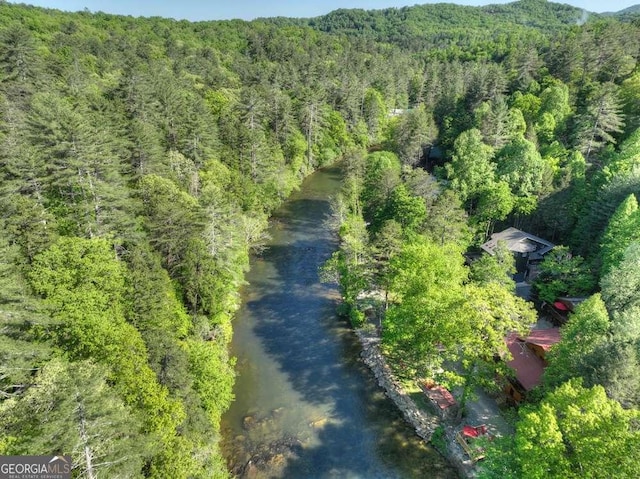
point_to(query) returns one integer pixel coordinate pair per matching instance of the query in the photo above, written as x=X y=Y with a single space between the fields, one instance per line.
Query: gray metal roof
x=518 y=241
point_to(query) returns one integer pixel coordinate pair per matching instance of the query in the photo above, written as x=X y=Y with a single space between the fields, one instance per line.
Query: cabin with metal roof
x=528 y=360
x=519 y=242
x=527 y=248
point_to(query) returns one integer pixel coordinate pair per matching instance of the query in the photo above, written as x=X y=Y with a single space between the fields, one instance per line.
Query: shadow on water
x=317 y=397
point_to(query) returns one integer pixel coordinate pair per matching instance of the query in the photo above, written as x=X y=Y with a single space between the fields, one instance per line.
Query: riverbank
x=305 y=405
x=425 y=424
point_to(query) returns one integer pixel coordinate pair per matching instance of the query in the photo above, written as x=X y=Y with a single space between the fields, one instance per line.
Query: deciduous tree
x=574 y=432
x=471 y=168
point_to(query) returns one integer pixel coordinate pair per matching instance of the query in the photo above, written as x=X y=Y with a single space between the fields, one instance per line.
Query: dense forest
x=140 y=159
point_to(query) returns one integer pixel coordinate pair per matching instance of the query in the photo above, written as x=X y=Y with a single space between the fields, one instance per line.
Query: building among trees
x=528 y=360
x=527 y=248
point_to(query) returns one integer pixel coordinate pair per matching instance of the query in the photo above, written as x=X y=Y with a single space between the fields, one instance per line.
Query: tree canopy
x=140 y=159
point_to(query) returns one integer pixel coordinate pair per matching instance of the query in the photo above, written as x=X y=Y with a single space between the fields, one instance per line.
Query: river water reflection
x=305 y=406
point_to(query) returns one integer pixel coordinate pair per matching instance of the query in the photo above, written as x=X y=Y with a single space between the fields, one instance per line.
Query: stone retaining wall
x=423 y=423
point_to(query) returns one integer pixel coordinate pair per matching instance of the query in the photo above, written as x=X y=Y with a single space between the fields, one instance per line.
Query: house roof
x=527 y=366
x=545 y=338
x=518 y=241
x=439 y=395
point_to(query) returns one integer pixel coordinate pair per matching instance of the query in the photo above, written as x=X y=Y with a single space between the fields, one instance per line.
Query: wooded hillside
x=141 y=158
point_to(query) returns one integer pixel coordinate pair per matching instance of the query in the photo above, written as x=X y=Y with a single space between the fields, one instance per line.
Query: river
x=306 y=406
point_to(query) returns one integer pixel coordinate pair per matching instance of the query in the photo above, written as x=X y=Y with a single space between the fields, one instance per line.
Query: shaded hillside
x=628 y=14
x=140 y=159
x=139 y=162
x=444 y=24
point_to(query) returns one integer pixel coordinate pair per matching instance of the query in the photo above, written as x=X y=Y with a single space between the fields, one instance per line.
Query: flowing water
x=305 y=406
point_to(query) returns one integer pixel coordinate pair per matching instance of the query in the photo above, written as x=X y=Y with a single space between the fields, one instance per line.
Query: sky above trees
x=249 y=9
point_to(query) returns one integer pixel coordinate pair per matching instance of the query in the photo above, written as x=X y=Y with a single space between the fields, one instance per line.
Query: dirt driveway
x=483 y=409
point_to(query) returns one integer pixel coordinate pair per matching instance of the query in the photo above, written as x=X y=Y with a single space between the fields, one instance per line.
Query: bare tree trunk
x=593 y=133
x=88 y=453
x=96 y=203
x=254 y=154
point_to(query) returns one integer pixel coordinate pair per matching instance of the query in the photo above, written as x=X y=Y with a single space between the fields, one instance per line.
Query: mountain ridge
x=629 y=11
x=432 y=25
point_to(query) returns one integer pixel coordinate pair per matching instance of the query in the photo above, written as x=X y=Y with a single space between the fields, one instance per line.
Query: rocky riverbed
x=256 y=459
x=267 y=457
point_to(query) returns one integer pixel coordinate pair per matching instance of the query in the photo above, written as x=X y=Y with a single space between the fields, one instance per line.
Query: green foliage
x=602 y=119
x=407 y=210
x=495 y=202
x=447 y=221
x=153 y=297
x=626 y=159
x=386 y=245
x=84 y=285
x=213 y=377
x=553 y=112
x=563 y=274
x=426 y=292
x=466 y=32
x=19 y=59
x=598 y=208
x=29 y=224
x=615 y=365
x=499 y=123
x=172 y=217
x=621 y=294
x=72 y=410
x=375 y=114
x=438 y=440
x=492 y=311
x=528 y=104
x=630 y=97
x=587 y=328
x=434 y=316
x=381 y=177
x=350 y=266
x=496 y=268
x=140 y=159
x=599 y=351
x=622 y=230
x=522 y=167
x=574 y=432
x=500 y=460
x=83 y=174
x=471 y=169
x=23 y=319
x=414 y=131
